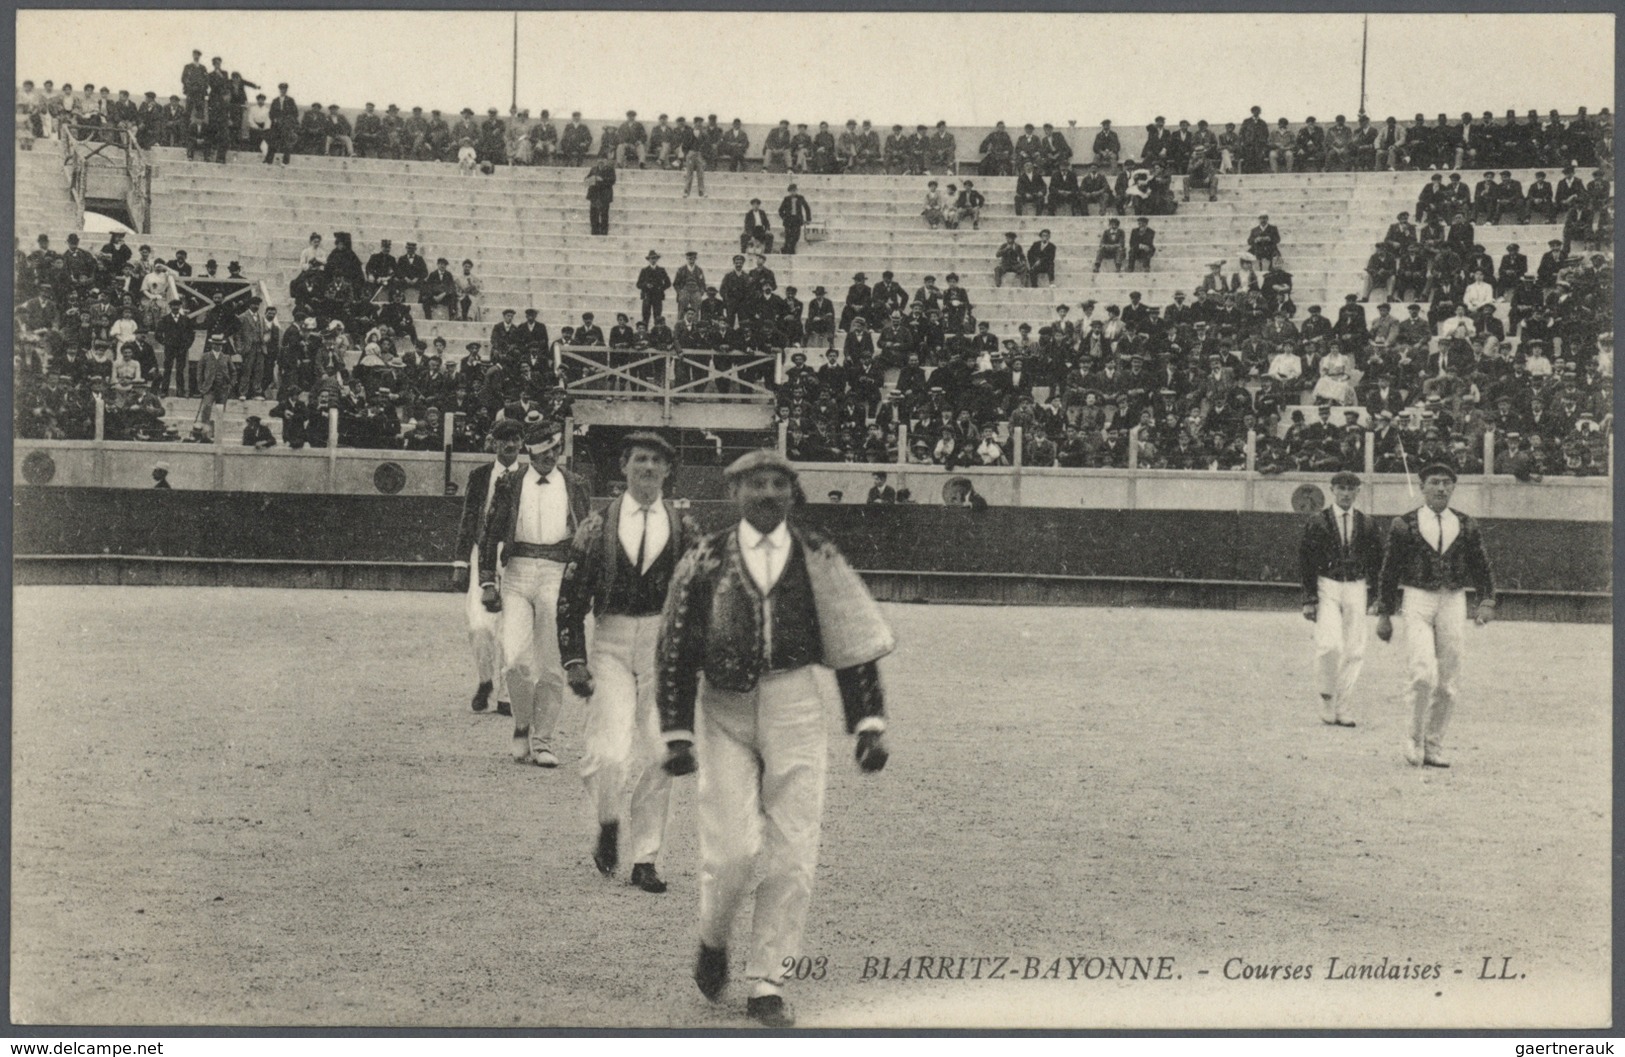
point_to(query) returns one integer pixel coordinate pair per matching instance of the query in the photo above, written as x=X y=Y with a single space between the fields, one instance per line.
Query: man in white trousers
x=754 y=608
x=533 y=516
x=1434 y=553
x=621 y=564
x=484 y=628
x=1339 y=556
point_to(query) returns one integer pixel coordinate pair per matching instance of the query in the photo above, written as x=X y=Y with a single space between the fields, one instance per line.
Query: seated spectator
x=933 y=211
x=1031 y=191
x=1009 y=259
x=1113 y=245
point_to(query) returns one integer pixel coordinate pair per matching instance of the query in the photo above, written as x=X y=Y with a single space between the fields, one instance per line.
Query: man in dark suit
x=533 y=515
x=600 y=181
x=505 y=337
x=1142 y=245
x=1339 y=558
x=653 y=282
x=195 y=85
x=1435 y=553
x=794 y=212
x=758 y=228
x=1030 y=190
x=484 y=626
x=1040 y=261
x=1264 y=241
x=175 y=333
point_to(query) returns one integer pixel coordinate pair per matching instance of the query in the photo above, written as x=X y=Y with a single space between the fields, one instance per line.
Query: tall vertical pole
x=1365 y=33
x=513 y=103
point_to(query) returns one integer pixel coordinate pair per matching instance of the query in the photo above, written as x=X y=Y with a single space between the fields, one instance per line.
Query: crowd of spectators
x=215 y=112
x=1187 y=382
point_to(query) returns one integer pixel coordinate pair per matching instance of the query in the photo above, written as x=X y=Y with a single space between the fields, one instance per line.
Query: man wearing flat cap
x=533 y=516
x=1339 y=557
x=1434 y=553
x=755 y=608
x=621 y=563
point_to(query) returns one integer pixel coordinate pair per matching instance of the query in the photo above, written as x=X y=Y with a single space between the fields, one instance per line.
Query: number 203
x=805 y=968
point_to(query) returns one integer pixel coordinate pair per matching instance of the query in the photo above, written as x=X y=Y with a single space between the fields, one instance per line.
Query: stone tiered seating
x=42 y=205
x=526 y=231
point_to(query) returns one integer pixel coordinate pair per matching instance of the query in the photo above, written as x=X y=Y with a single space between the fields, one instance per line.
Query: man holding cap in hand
x=754 y=608
x=1340 y=556
x=533 y=515
x=621 y=563
x=1434 y=553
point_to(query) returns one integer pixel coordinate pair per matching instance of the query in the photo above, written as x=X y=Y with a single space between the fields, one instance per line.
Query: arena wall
x=362 y=472
x=1550 y=569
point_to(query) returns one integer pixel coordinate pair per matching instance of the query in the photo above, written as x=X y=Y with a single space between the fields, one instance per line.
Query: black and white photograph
x=723 y=521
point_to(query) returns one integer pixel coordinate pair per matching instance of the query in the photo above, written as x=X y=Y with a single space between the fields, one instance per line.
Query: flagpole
x=514 y=101
x=1365 y=32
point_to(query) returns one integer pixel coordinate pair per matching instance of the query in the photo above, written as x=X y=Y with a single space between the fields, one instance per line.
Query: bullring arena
x=247 y=786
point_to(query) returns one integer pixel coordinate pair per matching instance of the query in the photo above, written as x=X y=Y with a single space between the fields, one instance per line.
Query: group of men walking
x=752 y=608
x=1420 y=572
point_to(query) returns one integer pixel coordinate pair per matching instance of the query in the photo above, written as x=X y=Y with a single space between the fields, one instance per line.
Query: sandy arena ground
x=272 y=807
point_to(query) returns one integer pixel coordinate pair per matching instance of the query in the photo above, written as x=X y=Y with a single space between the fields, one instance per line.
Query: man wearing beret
x=1434 y=553
x=1339 y=557
x=621 y=563
x=533 y=516
x=484 y=626
x=754 y=608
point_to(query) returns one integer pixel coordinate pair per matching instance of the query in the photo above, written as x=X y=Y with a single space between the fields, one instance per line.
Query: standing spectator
x=689 y=144
x=653 y=282
x=175 y=333
x=600 y=181
x=794 y=212
x=1041 y=260
x=194 y=83
x=690 y=285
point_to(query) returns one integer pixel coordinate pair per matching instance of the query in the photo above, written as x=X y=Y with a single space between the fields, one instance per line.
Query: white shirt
x=633 y=526
x=1285 y=365
x=1431 y=523
x=543 y=509
x=765 y=564
x=124 y=330
x=1478 y=295
x=259 y=116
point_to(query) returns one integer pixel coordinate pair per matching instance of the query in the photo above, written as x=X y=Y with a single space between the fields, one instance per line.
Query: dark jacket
x=589 y=578
x=1321 y=552
x=713 y=624
x=472 y=526
x=1408 y=561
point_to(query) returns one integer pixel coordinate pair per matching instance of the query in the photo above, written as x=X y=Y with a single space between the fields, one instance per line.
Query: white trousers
x=530 y=644
x=484 y=633
x=1340 y=637
x=623 y=732
x=762 y=758
x=1435 y=634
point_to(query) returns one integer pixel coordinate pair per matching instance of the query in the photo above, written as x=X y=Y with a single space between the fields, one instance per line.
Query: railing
x=690 y=375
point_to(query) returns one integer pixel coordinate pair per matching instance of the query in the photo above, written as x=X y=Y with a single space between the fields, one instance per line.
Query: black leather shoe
x=607 y=855
x=482 y=697
x=711 y=971
x=770 y=1011
x=644 y=876
x=504 y=708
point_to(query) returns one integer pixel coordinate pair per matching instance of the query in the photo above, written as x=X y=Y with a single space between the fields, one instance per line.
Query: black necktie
x=1440 y=516
x=644 y=538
